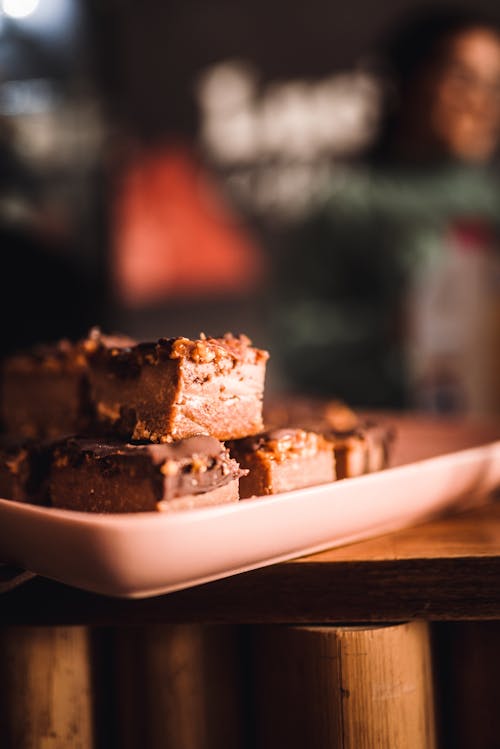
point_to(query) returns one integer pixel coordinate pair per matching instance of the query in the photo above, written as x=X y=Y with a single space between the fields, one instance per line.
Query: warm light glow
x=19 y=8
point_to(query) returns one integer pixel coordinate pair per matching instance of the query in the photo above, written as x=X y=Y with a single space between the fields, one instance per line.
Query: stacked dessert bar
x=111 y=425
x=361 y=444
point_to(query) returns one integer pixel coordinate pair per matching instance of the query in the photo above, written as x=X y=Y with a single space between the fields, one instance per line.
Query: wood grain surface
x=45 y=688
x=178 y=686
x=448 y=569
x=344 y=687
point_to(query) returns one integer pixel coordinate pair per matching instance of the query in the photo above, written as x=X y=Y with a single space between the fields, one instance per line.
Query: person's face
x=464 y=96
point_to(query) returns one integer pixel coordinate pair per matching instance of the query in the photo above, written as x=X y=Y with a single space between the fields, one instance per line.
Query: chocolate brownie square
x=363 y=449
x=110 y=476
x=280 y=460
x=45 y=392
x=176 y=387
x=361 y=444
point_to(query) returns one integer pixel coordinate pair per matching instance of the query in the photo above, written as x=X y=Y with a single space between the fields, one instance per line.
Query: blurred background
x=322 y=177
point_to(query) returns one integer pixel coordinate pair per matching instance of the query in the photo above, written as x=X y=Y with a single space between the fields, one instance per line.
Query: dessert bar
x=45 y=391
x=109 y=476
x=361 y=445
x=280 y=460
x=361 y=450
x=176 y=387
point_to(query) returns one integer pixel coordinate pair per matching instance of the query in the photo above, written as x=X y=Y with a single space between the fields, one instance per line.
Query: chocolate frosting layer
x=365 y=429
x=191 y=466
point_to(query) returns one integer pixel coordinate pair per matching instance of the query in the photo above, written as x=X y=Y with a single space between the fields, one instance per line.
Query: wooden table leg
x=178 y=686
x=45 y=688
x=344 y=687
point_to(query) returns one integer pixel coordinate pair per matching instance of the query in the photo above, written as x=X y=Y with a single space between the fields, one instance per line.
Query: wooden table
x=445 y=570
x=330 y=677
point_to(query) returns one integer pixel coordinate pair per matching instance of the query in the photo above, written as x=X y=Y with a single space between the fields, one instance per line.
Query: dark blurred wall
x=148 y=54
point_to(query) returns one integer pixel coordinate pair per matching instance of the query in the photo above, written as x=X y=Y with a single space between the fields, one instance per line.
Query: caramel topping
x=170 y=468
x=223 y=352
x=281 y=444
x=208 y=349
x=202 y=351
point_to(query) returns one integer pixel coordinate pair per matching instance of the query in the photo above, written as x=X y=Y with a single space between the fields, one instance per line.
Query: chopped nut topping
x=199 y=464
x=282 y=444
x=170 y=468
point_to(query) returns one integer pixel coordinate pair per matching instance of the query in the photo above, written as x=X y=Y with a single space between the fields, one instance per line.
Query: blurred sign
x=275 y=142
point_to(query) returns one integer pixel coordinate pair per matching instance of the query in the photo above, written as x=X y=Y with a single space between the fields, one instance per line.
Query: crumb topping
x=224 y=353
x=284 y=444
x=208 y=349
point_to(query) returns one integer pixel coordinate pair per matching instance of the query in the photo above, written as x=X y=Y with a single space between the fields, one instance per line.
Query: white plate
x=145 y=554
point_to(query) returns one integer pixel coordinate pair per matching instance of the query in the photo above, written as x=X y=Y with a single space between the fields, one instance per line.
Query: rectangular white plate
x=438 y=466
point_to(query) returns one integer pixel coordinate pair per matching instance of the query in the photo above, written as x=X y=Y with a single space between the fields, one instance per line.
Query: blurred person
x=391 y=291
